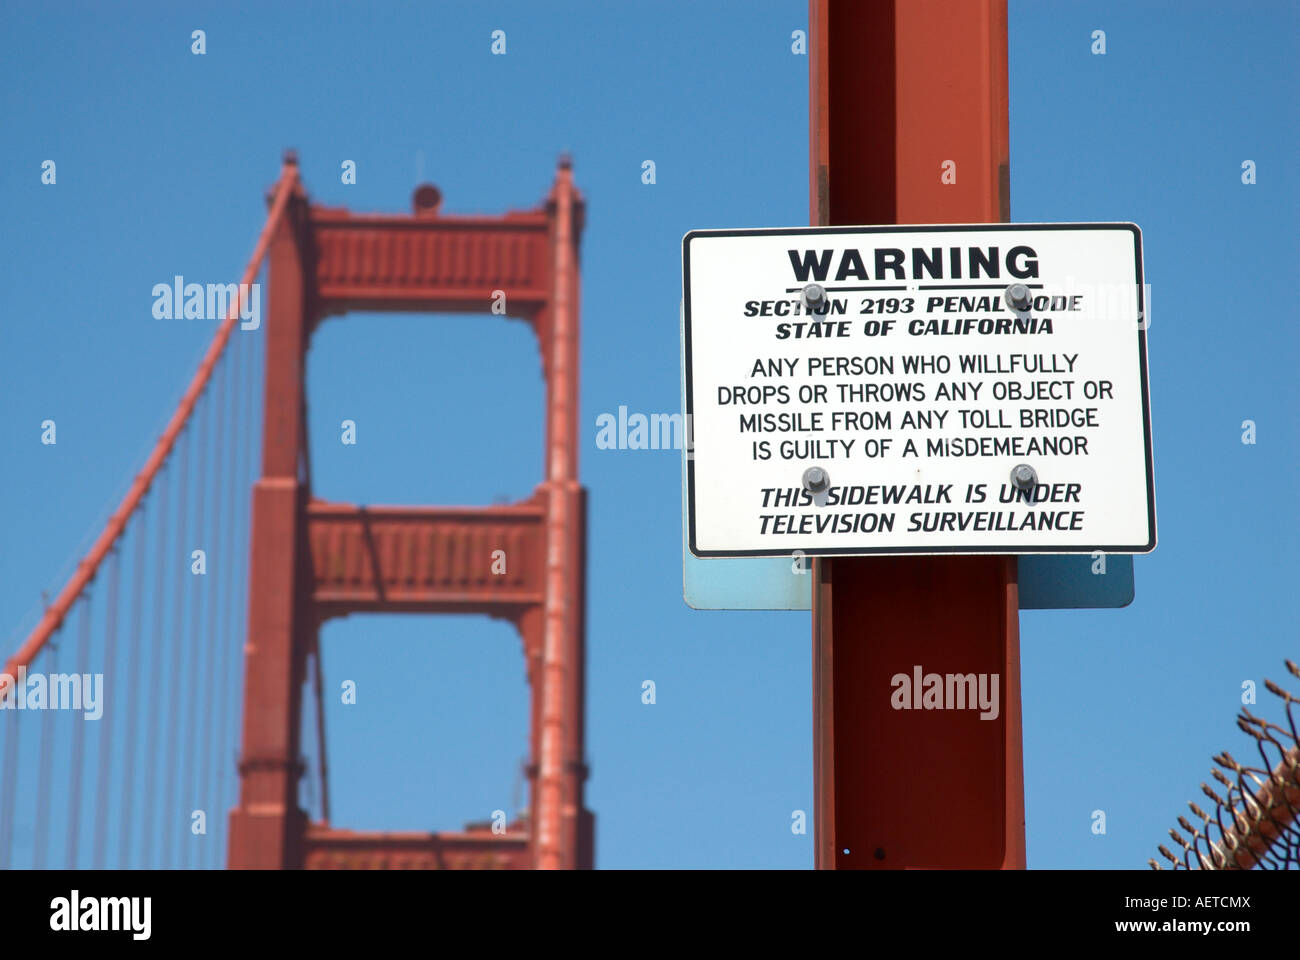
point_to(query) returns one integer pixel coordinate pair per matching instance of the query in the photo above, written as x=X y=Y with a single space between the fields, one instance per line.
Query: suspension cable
x=87 y=568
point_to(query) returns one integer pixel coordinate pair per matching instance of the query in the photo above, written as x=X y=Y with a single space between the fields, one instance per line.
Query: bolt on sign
x=979 y=388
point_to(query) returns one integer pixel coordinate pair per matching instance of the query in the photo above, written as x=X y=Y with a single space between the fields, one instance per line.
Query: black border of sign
x=930 y=551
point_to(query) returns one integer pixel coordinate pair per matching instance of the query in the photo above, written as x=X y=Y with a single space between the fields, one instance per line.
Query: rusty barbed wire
x=1256 y=820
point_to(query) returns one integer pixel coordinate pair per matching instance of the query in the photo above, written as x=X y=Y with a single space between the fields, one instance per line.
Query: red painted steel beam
x=331 y=849
x=430 y=262
x=89 y=566
x=897 y=88
x=560 y=766
x=267 y=825
x=426 y=559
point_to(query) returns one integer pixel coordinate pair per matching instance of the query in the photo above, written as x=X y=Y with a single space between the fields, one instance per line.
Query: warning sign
x=977 y=388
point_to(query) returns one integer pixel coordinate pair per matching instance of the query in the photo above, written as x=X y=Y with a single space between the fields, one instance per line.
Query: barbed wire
x=1256 y=822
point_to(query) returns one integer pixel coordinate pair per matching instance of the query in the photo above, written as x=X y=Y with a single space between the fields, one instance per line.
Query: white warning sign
x=978 y=388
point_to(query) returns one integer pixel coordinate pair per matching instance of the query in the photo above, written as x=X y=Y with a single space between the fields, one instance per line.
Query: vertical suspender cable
x=218 y=640
x=131 y=688
x=41 y=829
x=78 y=739
x=8 y=783
x=242 y=375
x=318 y=681
x=99 y=838
x=215 y=598
x=225 y=633
x=194 y=642
x=162 y=563
x=179 y=560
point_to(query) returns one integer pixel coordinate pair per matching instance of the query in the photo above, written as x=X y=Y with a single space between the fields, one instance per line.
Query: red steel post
x=267 y=826
x=561 y=769
x=900 y=93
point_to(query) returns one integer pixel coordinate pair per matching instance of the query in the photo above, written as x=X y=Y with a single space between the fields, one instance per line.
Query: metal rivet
x=814 y=297
x=1024 y=478
x=815 y=480
x=1019 y=297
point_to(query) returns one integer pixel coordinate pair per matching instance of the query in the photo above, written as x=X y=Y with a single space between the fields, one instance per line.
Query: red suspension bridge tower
x=312 y=559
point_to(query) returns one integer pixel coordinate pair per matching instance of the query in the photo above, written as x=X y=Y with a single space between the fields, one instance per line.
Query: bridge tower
x=312 y=559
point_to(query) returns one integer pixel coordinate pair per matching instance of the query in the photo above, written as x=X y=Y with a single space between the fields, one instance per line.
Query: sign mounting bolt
x=814 y=297
x=1019 y=297
x=1024 y=478
x=816 y=480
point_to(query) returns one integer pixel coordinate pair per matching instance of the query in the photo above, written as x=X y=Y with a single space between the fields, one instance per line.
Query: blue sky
x=163 y=159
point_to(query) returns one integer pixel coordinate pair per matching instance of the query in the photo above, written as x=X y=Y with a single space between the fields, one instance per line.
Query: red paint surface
x=897 y=87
